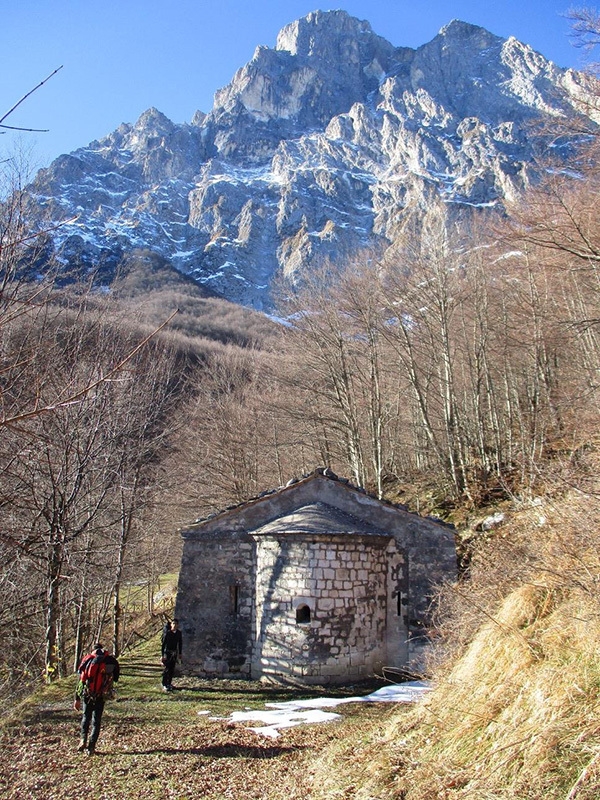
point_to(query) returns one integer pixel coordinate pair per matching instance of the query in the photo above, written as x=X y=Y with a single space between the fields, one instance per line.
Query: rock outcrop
x=311 y=152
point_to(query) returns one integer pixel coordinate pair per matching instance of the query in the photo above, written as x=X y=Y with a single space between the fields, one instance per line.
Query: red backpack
x=96 y=679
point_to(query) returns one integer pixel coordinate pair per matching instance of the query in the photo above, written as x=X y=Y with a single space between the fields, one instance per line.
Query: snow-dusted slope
x=311 y=152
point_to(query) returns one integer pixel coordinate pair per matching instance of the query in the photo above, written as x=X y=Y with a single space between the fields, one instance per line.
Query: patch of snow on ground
x=302 y=712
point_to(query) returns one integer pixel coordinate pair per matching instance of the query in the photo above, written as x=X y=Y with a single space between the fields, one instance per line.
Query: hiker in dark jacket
x=90 y=698
x=171 y=652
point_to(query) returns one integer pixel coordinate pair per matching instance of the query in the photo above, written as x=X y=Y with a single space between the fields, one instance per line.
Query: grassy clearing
x=157 y=746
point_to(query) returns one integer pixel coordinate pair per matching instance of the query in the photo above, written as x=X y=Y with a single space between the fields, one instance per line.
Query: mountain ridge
x=311 y=152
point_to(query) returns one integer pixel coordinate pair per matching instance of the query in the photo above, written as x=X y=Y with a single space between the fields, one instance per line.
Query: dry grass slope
x=516 y=713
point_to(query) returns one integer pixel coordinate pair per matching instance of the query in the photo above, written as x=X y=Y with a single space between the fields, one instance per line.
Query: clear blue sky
x=121 y=57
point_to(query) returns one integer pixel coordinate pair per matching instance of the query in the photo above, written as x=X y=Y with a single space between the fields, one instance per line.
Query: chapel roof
x=318 y=519
x=248 y=507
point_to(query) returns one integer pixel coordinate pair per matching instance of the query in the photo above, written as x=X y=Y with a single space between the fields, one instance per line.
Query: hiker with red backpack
x=97 y=673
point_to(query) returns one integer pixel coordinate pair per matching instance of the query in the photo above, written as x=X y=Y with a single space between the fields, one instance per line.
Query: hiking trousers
x=91 y=715
x=169 y=664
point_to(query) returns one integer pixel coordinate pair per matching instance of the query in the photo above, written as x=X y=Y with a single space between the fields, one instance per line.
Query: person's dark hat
x=97 y=646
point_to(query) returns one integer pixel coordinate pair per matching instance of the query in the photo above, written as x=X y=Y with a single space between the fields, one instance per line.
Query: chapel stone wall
x=214 y=604
x=343 y=582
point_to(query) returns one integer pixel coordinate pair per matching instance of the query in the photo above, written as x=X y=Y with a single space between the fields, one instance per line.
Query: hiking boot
x=91 y=750
x=81 y=746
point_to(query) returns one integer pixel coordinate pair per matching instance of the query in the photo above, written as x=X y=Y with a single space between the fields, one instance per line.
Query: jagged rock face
x=321 y=66
x=311 y=152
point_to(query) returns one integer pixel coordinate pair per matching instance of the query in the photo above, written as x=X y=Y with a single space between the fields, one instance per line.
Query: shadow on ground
x=221 y=751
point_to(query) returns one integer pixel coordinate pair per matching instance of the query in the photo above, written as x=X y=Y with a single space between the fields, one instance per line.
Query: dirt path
x=154 y=745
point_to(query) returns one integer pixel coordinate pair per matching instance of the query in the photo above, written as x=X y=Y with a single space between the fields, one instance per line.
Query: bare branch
x=25 y=96
x=29 y=130
x=23 y=239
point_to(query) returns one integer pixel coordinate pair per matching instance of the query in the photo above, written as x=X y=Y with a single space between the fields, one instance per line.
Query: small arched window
x=302 y=614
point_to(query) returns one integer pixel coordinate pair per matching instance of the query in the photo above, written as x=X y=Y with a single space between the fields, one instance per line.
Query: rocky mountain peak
x=313 y=35
x=321 y=65
x=457 y=31
x=198 y=118
x=338 y=46
x=478 y=74
x=154 y=121
x=324 y=46
x=311 y=152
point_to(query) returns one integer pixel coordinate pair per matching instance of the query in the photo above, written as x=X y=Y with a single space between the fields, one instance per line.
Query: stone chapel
x=316 y=582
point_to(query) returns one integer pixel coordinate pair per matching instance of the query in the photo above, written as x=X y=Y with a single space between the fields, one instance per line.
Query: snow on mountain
x=311 y=152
